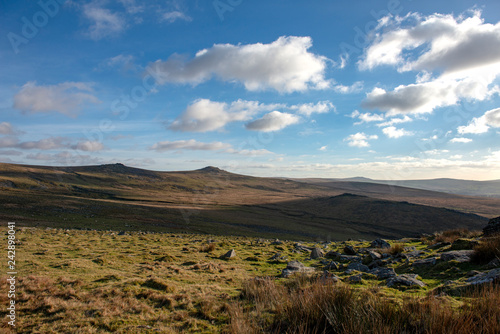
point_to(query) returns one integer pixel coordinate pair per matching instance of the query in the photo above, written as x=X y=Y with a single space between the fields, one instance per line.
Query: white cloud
x=65 y=98
x=90 y=146
x=366 y=117
x=194 y=145
x=6 y=128
x=285 y=65
x=65 y=158
x=189 y=145
x=427 y=96
x=460 y=140
x=463 y=53
x=393 y=121
x=311 y=108
x=205 y=115
x=175 y=15
x=354 y=88
x=273 y=121
x=482 y=124
x=323 y=148
x=360 y=139
x=393 y=132
x=44 y=144
x=104 y=23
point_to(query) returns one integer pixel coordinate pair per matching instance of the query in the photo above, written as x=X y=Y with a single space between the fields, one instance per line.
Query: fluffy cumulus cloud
x=103 y=22
x=456 y=57
x=393 y=132
x=65 y=98
x=205 y=115
x=490 y=119
x=273 y=121
x=310 y=108
x=366 y=117
x=194 y=145
x=360 y=139
x=460 y=140
x=284 y=65
x=89 y=146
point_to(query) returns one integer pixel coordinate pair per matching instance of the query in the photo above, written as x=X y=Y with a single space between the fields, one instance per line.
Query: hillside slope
x=210 y=200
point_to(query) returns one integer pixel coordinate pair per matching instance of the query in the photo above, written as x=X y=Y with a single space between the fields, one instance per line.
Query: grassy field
x=99 y=281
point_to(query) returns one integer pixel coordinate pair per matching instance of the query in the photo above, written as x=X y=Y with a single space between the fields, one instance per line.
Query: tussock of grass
x=487 y=250
x=452 y=235
x=320 y=306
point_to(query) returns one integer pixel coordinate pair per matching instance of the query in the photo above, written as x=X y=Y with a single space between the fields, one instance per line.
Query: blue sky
x=380 y=89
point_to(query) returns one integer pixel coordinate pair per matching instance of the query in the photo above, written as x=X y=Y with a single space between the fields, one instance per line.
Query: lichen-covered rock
x=462 y=243
x=492 y=228
x=380 y=243
x=424 y=262
x=383 y=273
x=229 y=255
x=406 y=280
x=358 y=266
x=316 y=253
x=492 y=276
x=294 y=267
x=458 y=255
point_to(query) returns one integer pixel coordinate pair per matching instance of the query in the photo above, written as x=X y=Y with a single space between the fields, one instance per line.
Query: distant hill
x=211 y=200
x=452 y=186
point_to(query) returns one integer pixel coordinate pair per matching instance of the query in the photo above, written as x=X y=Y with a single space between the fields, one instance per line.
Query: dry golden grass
x=487 y=250
x=320 y=306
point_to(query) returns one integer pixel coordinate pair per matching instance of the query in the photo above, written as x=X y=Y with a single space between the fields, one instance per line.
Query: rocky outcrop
x=492 y=228
x=459 y=256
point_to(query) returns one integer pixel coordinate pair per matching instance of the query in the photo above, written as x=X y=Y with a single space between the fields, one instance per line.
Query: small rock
x=439 y=245
x=415 y=253
x=492 y=276
x=493 y=263
x=492 y=228
x=229 y=255
x=458 y=255
x=405 y=279
x=278 y=257
x=295 y=267
x=383 y=273
x=332 y=255
x=349 y=250
x=350 y=258
x=121 y=233
x=358 y=266
x=463 y=243
x=374 y=255
x=355 y=278
x=316 y=253
x=380 y=243
x=332 y=266
x=424 y=262
x=277 y=242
